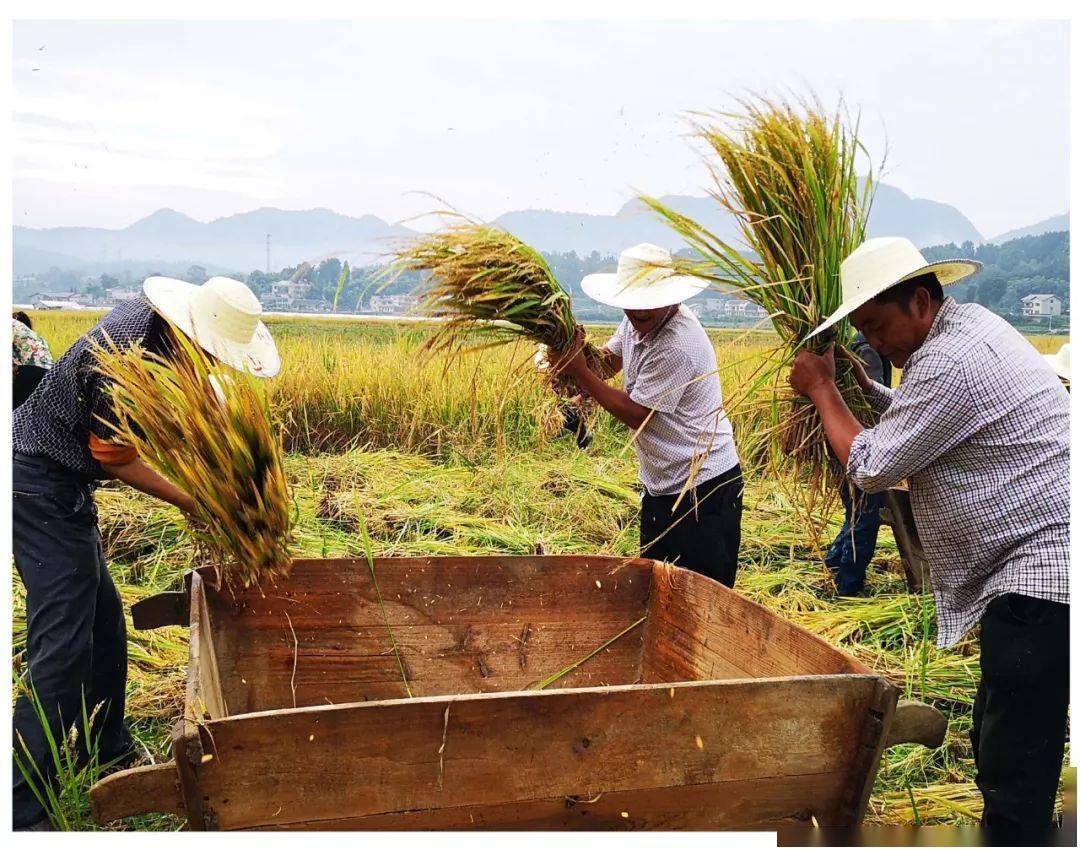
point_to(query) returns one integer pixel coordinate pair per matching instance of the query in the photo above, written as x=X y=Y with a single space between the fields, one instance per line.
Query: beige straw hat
x=1060 y=362
x=223 y=316
x=881 y=263
x=644 y=280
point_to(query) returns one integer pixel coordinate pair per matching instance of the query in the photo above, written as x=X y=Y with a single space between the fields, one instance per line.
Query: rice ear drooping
x=206 y=427
x=788 y=175
x=485 y=282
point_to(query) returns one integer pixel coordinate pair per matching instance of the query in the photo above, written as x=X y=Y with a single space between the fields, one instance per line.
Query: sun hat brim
x=675 y=289
x=171 y=299
x=946 y=271
x=1060 y=369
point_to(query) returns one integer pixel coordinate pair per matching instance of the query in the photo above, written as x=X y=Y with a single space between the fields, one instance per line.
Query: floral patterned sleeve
x=27 y=348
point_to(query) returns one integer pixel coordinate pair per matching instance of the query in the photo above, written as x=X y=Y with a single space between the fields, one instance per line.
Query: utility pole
x=268 y=253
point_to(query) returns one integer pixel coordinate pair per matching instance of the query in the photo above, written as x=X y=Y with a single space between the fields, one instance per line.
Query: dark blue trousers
x=76 y=641
x=851 y=552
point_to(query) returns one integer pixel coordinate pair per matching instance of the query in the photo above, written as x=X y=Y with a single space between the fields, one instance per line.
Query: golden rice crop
x=788 y=174
x=486 y=282
x=207 y=429
x=444 y=491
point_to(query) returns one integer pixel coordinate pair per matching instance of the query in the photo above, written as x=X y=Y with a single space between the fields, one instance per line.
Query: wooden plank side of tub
x=744 y=804
x=318 y=764
x=699 y=630
x=203 y=701
x=461 y=625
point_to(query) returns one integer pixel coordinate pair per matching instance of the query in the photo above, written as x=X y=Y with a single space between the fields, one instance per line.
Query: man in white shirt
x=691 y=511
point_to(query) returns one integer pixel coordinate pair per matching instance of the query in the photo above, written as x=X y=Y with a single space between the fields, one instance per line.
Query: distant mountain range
x=894 y=213
x=236 y=242
x=1054 y=224
x=168 y=241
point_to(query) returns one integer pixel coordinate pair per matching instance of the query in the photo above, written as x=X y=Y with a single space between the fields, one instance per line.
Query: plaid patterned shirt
x=980 y=426
x=672 y=371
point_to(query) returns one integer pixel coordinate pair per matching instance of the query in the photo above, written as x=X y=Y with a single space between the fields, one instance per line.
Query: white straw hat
x=222 y=316
x=644 y=280
x=1060 y=362
x=881 y=263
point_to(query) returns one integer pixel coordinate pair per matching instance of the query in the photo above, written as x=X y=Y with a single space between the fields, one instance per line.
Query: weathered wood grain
x=152 y=788
x=352 y=761
x=917 y=723
x=743 y=804
x=699 y=630
x=208 y=699
x=203 y=701
x=462 y=625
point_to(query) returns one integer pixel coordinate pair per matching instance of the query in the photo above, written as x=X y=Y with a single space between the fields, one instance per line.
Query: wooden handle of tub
x=161 y=609
x=137 y=791
x=916 y=723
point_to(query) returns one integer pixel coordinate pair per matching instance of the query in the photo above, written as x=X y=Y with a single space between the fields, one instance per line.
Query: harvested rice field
x=423 y=457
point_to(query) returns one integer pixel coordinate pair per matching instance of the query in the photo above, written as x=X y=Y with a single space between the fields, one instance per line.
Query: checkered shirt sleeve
x=879 y=397
x=929 y=415
x=615 y=344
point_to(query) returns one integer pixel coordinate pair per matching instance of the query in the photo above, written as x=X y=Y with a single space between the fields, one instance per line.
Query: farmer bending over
x=76 y=642
x=674 y=405
x=980 y=426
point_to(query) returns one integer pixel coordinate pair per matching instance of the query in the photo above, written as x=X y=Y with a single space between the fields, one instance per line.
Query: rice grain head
x=787 y=172
x=207 y=429
x=491 y=288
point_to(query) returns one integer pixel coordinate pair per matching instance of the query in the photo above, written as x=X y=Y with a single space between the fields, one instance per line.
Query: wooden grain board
x=742 y=804
x=209 y=696
x=462 y=625
x=150 y=788
x=310 y=764
x=203 y=691
x=699 y=630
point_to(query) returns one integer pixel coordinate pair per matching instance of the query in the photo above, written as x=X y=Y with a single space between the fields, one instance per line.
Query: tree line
x=1012 y=270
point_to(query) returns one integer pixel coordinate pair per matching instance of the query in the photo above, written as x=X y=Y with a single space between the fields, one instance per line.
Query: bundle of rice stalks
x=485 y=282
x=788 y=175
x=207 y=429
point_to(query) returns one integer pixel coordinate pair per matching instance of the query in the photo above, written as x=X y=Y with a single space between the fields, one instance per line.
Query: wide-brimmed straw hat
x=644 y=280
x=881 y=263
x=223 y=316
x=1060 y=362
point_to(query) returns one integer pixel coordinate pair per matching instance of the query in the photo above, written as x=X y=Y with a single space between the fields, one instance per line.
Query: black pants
x=703 y=533
x=76 y=641
x=24 y=383
x=1021 y=711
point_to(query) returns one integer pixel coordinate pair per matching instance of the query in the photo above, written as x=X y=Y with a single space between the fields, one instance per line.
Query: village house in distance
x=1040 y=305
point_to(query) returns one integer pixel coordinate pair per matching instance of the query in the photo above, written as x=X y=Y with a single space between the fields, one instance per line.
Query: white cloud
x=497 y=116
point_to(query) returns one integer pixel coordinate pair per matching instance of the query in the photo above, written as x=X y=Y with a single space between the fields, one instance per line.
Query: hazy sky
x=115 y=120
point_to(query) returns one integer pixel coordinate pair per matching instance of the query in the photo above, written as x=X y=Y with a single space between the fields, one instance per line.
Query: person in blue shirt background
x=854 y=546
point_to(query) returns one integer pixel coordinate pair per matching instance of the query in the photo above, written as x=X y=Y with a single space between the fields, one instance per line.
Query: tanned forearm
x=614 y=401
x=140 y=476
x=841 y=426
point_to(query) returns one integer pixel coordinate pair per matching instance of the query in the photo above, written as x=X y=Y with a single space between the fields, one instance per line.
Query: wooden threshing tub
x=708 y=712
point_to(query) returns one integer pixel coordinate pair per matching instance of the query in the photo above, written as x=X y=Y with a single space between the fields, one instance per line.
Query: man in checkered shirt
x=979 y=426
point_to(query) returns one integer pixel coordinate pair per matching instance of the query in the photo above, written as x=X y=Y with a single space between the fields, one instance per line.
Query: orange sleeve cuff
x=111 y=454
